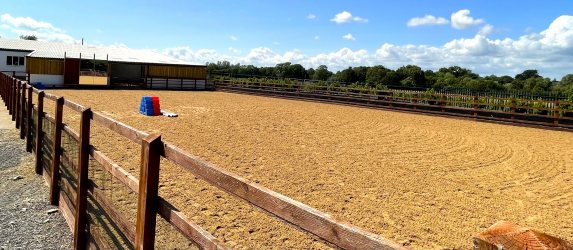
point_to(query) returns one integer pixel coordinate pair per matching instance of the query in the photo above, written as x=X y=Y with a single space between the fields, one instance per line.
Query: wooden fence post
x=475 y=106
x=10 y=96
x=82 y=193
x=22 y=110
x=57 y=140
x=513 y=107
x=16 y=104
x=29 y=123
x=151 y=148
x=3 y=88
x=39 y=133
x=556 y=113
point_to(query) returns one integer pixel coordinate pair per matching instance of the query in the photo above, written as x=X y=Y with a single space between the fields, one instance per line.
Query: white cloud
x=27 y=23
x=346 y=17
x=311 y=16
x=28 y=26
x=427 y=20
x=462 y=19
x=349 y=37
x=233 y=50
x=549 y=51
x=486 y=30
x=316 y=37
x=234 y=38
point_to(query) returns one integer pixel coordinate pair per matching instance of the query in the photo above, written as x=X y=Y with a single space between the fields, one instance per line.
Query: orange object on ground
x=508 y=236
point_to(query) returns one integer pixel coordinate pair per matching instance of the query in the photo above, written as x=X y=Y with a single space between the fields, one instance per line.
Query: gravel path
x=27 y=221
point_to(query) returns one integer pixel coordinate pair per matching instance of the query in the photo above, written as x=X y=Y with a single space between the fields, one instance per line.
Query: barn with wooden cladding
x=70 y=65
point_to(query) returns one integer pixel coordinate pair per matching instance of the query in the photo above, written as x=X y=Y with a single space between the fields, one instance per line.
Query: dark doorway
x=126 y=74
x=71 y=71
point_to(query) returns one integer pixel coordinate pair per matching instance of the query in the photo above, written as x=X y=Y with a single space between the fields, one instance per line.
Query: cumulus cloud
x=346 y=17
x=233 y=50
x=28 y=26
x=316 y=37
x=27 y=23
x=349 y=37
x=427 y=20
x=549 y=51
x=462 y=19
x=486 y=30
x=234 y=38
x=311 y=16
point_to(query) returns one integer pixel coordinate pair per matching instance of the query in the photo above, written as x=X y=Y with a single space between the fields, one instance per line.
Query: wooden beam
x=320 y=224
x=10 y=96
x=166 y=210
x=98 y=238
x=125 y=227
x=74 y=106
x=71 y=132
x=29 y=123
x=16 y=116
x=81 y=194
x=51 y=97
x=151 y=148
x=202 y=238
x=120 y=128
x=67 y=211
x=57 y=148
x=119 y=173
x=23 y=113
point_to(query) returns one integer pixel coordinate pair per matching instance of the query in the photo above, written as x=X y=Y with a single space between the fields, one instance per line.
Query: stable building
x=74 y=65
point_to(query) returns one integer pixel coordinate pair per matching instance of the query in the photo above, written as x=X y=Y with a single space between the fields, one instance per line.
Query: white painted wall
x=47 y=80
x=5 y=67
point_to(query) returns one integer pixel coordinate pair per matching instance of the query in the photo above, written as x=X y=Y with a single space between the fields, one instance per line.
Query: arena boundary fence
x=548 y=114
x=65 y=171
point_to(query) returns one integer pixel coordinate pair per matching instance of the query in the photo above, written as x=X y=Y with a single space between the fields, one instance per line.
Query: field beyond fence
x=553 y=113
x=65 y=158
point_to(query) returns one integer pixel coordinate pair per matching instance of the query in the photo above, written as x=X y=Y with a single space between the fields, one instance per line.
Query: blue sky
x=490 y=37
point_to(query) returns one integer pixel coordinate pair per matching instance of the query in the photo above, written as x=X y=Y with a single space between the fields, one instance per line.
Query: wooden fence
x=64 y=156
x=218 y=76
x=554 y=114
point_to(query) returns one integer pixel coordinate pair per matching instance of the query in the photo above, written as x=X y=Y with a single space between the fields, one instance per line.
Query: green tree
x=412 y=75
x=566 y=85
x=537 y=84
x=458 y=72
x=360 y=74
x=391 y=79
x=322 y=73
x=29 y=37
x=376 y=74
x=310 y=73
x=347 y=75
x=445 y=79
x=527 y=74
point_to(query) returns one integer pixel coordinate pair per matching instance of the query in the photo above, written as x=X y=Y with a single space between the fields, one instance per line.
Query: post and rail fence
x=63 y=157
x=543 y=113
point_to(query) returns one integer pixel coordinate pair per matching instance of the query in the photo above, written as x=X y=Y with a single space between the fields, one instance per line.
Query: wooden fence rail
x=72 y=190
x=538 y=113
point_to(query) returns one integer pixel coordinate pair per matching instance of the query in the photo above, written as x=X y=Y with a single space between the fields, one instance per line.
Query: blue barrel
x=146 y=106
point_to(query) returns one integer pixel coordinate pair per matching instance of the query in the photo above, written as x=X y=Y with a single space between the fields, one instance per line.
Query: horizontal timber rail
x=72 y=195
x=553 y=115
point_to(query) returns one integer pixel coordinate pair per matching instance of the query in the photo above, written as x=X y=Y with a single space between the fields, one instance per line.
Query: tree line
x=406 y=76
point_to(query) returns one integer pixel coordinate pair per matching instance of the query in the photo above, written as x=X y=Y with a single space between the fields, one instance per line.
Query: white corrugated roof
x=113 y=54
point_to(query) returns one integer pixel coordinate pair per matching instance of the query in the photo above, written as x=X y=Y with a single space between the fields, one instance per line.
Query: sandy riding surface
x=422 y=181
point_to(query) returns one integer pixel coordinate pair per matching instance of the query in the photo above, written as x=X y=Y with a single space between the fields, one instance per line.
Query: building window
x=15 y=60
